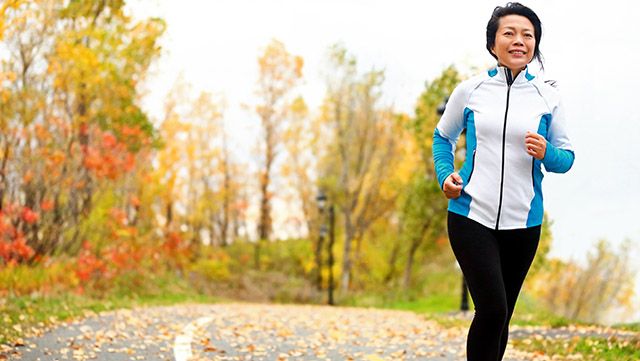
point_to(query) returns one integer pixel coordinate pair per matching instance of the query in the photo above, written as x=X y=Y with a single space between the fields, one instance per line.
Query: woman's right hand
x=452 y=186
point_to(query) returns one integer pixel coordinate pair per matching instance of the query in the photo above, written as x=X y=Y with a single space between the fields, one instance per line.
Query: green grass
x=442 y=309
x=25 y=315
x=590 y=348
x=430 y=304
x=635 y=327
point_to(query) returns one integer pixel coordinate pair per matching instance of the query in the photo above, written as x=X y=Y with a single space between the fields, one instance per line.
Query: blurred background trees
x=95 y=195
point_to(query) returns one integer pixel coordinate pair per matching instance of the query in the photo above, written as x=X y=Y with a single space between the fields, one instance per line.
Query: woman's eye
x=508 y=33
x=528 y=35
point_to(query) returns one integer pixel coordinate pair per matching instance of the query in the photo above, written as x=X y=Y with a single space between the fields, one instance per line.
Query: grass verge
x=25 y=316
x=583 y=348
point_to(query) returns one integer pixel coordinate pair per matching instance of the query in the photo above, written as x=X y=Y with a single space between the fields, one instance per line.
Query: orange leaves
x=13 y=245
x=172 y=242
x=46 y=205
x=135 y=201
x=57 y=157
x=29 y=215
x=130 y=131
x=109 y=141
x=88 y=265
x=28 y=176
x=110 y=158
x=13 y=252
x=119 y=216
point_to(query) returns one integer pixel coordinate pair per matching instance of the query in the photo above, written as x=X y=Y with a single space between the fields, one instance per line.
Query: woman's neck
x=514 y=72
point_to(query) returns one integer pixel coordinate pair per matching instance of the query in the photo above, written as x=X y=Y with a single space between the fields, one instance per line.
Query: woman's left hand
x=536 y=145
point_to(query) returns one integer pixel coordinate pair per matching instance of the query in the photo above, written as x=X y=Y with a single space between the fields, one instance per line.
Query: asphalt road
x=260 y=332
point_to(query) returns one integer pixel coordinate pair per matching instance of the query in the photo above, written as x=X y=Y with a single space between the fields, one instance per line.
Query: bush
x=587 y=293
x=45 y=277
x=213 y=268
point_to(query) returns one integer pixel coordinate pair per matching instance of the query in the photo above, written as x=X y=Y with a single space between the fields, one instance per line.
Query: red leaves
x=88 y=265
x=119 y=216
x=172 y=242
x=109 y=141
x=29 y=215
x=13 y=245
x=135 y=201
x=46 y=205
x=110 y=158
x=16 y=250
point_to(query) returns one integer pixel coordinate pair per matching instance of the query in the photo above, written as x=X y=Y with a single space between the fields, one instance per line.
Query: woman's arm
x=559 y=155
x=445 y=136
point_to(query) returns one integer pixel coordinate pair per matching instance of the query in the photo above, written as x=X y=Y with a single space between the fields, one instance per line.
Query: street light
x=332 y=222
x=464 y=303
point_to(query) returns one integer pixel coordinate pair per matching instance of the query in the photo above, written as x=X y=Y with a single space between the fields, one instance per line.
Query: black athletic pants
x=494 y=264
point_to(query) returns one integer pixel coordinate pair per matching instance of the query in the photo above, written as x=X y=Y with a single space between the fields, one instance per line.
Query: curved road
x=254 y=332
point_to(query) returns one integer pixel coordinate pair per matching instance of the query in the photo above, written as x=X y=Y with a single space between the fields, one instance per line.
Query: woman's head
x=513 y=35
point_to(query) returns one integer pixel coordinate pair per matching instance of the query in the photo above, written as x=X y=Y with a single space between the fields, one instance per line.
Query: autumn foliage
x=96 y=195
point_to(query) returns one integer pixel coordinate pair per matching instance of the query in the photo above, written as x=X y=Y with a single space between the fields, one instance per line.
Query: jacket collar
x=503 y=75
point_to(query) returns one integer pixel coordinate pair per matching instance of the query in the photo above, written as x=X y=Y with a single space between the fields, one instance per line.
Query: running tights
x=494 y=264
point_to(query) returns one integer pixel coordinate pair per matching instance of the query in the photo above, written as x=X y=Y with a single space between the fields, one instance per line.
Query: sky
x=592 y=49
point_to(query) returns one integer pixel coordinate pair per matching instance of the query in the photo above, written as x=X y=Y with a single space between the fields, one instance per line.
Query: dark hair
x=514 y=8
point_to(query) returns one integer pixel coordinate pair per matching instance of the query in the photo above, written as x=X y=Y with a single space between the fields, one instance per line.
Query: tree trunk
x=406 y=280
x=346 y=257
x=318 y=257
x=3 y=179
x=227 y=196
x=415 y=244
x=393 y=258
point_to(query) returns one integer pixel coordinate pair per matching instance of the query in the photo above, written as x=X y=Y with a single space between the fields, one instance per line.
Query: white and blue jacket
x=502 y=184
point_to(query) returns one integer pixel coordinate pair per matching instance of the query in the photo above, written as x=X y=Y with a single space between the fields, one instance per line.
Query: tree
x=71 y=127
x=279 y=73
x=360 y=159
x=588 y=292
x=423 y=207
x=196 y=180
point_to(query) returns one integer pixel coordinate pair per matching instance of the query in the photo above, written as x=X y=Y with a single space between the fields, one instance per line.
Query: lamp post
x=322 y=205
x=332 y=223
x=464 y=303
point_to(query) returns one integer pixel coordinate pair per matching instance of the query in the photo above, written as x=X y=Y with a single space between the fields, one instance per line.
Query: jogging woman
x=514 y=125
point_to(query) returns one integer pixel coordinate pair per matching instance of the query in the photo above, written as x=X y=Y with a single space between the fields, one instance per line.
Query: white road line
x=182 y=344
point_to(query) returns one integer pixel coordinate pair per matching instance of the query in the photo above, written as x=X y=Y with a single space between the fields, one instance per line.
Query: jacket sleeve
x=447 y=132
x=559 y=155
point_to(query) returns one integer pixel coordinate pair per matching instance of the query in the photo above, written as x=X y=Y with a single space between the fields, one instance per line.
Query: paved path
x=253 y=332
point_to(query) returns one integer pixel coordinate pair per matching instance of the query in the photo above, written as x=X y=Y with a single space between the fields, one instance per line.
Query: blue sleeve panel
x=442 y=157
x=557 y=160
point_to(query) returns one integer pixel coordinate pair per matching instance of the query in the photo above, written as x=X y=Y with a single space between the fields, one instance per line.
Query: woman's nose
x=518 y=40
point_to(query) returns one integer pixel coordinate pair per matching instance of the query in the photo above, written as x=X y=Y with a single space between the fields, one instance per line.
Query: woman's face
x=515 y=42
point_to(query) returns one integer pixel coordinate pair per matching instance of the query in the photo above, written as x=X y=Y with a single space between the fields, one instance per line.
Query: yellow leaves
x=6 y=78
x=337 y=335
x=299 y=107
x=28 y=176
x=5 y=95
x=57 y=158
x=9 y=76
x=587 y=292
x=8 y=4
x=299 y=63
x=279 y=72
x=373 y=357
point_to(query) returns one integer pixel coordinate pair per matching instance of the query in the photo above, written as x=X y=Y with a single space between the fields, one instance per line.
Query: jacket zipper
x=504 y=140
x=473 y=166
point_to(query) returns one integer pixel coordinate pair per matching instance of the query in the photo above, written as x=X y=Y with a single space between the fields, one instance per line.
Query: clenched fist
x=452 y=186
x=536 y=145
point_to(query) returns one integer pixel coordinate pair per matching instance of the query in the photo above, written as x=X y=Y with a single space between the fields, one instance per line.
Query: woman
x=514 y=123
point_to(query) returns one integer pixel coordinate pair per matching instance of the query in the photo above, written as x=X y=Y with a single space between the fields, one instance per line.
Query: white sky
x=591 y=48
